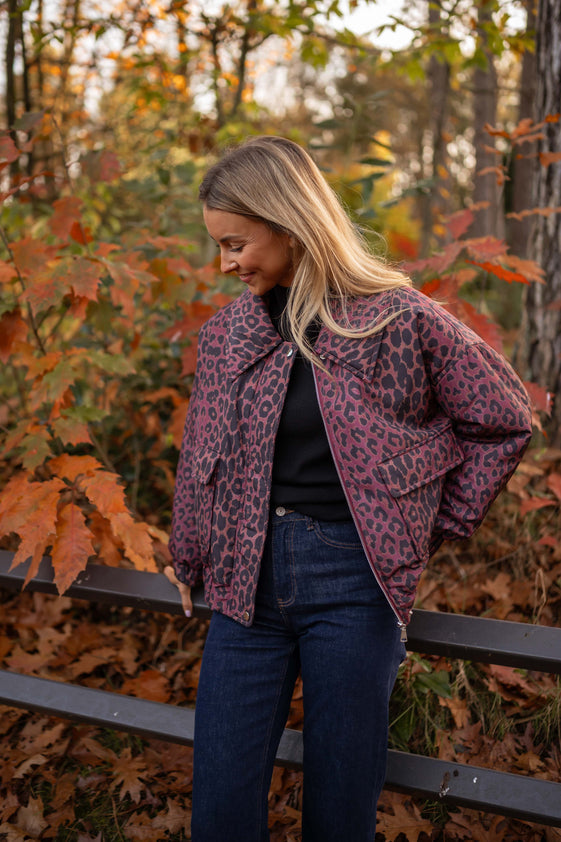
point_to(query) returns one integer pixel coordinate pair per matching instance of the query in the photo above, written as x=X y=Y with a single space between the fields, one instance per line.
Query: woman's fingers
x=184 y=590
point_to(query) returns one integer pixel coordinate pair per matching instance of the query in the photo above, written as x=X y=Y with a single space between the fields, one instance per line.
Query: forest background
x=440 y=130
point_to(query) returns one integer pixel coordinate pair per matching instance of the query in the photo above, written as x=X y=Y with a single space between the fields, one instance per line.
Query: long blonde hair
x=274 y=180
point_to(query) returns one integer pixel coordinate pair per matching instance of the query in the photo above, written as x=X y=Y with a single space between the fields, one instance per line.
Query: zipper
x=401 y=625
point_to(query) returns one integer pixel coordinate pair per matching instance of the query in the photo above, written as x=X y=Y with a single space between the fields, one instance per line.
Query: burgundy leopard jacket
x=426 y=424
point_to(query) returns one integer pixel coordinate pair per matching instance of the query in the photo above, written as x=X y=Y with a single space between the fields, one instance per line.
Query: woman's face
x=260 y=257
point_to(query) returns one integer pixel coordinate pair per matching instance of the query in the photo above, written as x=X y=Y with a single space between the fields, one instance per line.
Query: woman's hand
x=184 y=590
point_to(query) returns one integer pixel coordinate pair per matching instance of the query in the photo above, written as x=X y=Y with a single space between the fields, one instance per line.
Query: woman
x=341 y=425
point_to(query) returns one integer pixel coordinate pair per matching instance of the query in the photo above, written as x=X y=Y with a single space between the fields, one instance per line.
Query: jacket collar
x=252 y=336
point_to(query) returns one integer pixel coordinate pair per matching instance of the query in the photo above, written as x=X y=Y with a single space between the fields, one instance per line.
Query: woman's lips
x=246 y=278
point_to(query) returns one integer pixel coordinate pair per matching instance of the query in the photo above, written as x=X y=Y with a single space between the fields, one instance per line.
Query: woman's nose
x=227 y=264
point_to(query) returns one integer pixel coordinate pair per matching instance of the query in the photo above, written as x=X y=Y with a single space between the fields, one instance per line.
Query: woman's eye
x=236 y=248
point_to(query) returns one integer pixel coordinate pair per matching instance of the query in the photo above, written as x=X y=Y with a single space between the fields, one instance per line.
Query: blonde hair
x=274 y=180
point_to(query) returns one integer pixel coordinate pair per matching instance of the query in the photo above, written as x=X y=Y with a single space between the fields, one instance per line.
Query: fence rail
x=455 y=636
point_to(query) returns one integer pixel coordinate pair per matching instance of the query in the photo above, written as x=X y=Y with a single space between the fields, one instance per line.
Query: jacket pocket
x=415 y=479
x=204 y=473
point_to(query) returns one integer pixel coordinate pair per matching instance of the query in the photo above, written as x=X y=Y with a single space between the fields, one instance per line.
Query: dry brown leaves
x=510 y=570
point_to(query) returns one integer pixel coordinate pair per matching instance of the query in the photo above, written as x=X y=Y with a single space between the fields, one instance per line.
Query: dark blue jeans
x=321 y=612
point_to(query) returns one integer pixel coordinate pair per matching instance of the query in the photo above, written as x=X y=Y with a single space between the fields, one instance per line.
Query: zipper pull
x=403 y=629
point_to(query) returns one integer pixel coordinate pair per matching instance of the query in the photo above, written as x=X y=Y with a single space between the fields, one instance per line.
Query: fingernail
x=187 y=613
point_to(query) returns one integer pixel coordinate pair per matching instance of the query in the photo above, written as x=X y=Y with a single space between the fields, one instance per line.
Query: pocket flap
x=421 y=464
x=204 y=463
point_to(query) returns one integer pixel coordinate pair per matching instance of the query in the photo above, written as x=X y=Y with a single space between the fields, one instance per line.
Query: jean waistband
x=279 y=513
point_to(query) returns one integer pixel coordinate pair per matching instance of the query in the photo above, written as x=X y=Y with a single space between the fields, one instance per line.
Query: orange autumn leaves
x=97 y=342
x=48 y=514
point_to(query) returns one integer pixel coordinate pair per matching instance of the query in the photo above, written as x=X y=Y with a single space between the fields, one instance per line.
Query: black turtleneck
x=304 y=475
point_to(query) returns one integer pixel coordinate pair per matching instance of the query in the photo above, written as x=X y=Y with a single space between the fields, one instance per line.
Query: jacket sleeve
x=491 y=417
x=184 y=543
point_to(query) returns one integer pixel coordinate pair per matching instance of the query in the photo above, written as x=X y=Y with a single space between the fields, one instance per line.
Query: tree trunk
x=10 y=61
x=439 y=87
x=523 y=169
x=489 y=220
x=542 y=314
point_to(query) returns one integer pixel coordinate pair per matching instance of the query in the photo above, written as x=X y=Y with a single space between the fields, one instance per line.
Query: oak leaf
x=150 y=684
x=136 y=540
x=175 y=819
x=13 y=329
x=71 y=467
x=27 y=662
x=8 y=149
x=72 y=546
x=104 y=490
x=108 y=547
x=531 y=270
x=140 y=828
x=405 y=818
x=30 y=511
x=485 y=247
x=542 y=399
x=533 y=504
x=126 y=775
x=30 y=819
x=29 y=765
x=7 y=272
x=499 y=587
x=481 y=324
x=547 y=158
x=82 y=275
x=71 y=432
x=458 y=708
x=500 y=272
x=66 y=211
x=459 y=222
x=45 y=287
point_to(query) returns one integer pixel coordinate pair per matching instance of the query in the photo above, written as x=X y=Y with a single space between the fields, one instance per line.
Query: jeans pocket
x=341 y=535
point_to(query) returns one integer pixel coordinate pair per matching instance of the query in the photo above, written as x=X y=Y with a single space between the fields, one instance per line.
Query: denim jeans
x=321 y=612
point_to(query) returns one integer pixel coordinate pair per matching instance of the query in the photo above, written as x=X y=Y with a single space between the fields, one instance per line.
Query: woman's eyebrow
x=228 y=237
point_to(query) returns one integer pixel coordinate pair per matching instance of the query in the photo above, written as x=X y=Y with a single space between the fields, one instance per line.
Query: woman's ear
x=292 y=241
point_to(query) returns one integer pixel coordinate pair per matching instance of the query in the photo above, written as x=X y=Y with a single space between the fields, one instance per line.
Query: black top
x=304 y=474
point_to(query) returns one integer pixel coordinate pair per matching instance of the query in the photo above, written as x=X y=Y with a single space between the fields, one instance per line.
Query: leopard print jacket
x=425 y=421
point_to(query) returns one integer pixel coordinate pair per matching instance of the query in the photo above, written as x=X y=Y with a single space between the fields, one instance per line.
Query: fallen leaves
x=78 y=780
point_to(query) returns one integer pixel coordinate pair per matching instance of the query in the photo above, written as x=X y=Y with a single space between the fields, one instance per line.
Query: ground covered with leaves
x=77 y=783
